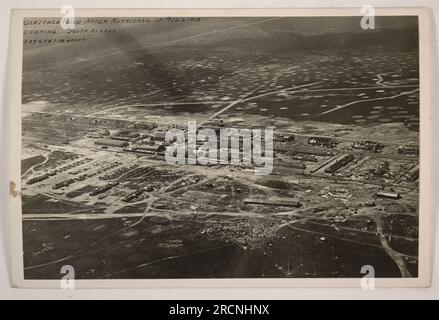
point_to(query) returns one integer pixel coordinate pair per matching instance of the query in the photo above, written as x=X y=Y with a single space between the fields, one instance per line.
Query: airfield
x=98 y=194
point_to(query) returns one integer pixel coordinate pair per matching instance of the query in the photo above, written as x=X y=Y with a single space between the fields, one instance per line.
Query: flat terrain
x=115 y=212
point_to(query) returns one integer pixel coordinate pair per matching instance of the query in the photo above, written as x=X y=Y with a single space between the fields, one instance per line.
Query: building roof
x=111 y=142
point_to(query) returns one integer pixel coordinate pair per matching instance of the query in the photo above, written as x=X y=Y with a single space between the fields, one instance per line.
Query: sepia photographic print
x=220 y=148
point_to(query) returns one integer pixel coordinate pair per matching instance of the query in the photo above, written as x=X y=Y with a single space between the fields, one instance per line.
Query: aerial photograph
x=99 y=101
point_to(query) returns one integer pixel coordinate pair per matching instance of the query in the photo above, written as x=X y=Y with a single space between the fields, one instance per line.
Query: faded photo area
x=103 y=103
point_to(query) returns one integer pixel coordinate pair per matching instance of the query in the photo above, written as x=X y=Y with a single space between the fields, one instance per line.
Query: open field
x=99 y=195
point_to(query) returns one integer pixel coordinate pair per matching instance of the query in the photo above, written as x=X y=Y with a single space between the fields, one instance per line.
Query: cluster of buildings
x=132 y=195
x=322 y=142
x=102 y=189
x=52 y=173
x=409 y=149
x=134 y=141
x=370 y=146
x=339 y=162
